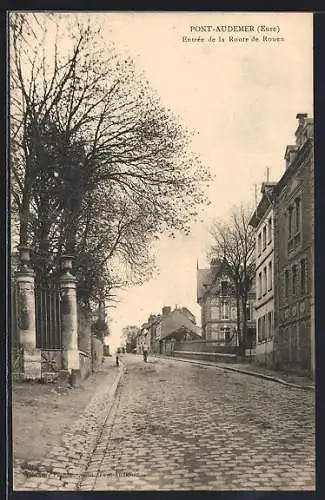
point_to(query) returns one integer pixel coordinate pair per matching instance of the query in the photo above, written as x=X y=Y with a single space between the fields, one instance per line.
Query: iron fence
x=48 y=316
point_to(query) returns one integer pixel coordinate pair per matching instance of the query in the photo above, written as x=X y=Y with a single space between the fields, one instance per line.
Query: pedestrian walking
x=145 y=350
x=117 y=357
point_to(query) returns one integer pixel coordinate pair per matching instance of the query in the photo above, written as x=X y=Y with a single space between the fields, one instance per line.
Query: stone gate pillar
x=69 y=316
x=25 y=280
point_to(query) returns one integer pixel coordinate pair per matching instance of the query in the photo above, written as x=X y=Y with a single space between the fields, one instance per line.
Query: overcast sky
x=242 y=98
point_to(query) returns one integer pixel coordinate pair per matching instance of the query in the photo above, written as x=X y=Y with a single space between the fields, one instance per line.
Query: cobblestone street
x=179 y=426
x=173 y=425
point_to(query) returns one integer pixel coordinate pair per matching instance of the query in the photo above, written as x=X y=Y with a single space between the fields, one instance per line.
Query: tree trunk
x=24 y=219
x=24 y=214
x=238 y=317
x=244 y=328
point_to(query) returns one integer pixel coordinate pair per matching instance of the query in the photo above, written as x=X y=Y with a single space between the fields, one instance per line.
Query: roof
x=175 y=321
x=263 y=207
x=204 y=278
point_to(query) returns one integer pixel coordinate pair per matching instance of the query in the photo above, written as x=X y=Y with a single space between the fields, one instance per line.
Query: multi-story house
x=263 y=222
x=217 y=297
x=294 y=253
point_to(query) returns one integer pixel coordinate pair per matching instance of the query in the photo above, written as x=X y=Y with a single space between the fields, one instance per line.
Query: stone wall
x=85 y=365
x=84 y=330
x=203 y=346
x=217 y=357
x=97 y=352
x=91 y=349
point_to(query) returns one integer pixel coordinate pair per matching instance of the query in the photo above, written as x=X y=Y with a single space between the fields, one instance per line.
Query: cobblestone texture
x=67 y=460
x=178 y=426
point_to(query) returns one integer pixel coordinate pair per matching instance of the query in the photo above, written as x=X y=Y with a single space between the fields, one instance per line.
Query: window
x=227 y=334
x=303 y=276
x=264 y=280
x=224 y=288
x=225 y=310
x=290 y=223
x=263 y=333
x=264 y=237
x=270 y=229
x=297 y=203
x=270 y=280
x=269 y=325
x=259 y=285
x=294 y=280
x=286 y=283
x=259 y=329
x=259 y=244
x=248 y=312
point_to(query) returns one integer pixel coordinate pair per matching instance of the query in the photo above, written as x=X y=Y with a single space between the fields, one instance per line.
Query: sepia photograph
x=162 y=289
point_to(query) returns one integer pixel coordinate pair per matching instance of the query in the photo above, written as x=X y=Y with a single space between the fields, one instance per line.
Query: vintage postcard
x=162 y=295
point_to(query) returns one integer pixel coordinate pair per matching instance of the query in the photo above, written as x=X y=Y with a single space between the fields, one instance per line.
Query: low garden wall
x=204 y=346
x=97 y=352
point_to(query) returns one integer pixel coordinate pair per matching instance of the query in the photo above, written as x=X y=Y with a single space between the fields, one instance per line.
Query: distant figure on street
x=118 y=356
x=145 y=350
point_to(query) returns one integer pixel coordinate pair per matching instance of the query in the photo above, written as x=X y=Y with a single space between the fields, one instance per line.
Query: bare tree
x=234 y=244
x=98 y=165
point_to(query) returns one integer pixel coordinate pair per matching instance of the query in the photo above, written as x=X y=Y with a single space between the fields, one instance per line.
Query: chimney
x=166 y=310
x=301 y=117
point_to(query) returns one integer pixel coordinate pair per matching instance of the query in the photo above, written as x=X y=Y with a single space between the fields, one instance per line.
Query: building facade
x=217 y=297
x=170 y=326
x=294 y=254
x=263 y=222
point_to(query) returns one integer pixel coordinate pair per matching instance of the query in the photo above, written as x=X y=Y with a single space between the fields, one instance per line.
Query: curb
x=114 y=386
x=245 y=372
x=110 y=402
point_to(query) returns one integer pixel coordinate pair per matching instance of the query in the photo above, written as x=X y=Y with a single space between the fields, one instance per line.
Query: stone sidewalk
x=288 y=379
x=64 y=465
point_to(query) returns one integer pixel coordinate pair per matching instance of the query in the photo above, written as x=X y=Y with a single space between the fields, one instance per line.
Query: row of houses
x=281 y=303
x=284 y=228
x=161 y=331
